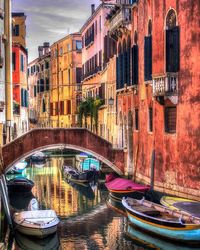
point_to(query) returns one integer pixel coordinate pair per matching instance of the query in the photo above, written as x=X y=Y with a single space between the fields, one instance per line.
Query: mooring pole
x=5 y=201
x=152 y=169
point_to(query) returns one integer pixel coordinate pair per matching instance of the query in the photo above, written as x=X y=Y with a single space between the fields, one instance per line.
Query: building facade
x=65 y=80
x=97 y=48
x=157 y=92
x=39 y=88
x=20 y=81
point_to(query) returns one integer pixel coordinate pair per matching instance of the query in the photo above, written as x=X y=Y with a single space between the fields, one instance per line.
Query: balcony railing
x=166 y=85
x=121 y=18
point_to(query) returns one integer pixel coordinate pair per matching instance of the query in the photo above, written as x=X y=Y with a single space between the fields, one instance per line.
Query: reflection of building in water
x=53 y=192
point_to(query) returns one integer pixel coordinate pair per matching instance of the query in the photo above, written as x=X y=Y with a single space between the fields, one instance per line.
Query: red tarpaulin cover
x=124 y=184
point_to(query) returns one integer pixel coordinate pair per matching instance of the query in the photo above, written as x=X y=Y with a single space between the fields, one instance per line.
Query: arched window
x=148 y=54
x=119 y=66
x=128 y=69
x=124 y=78
x=172 y=43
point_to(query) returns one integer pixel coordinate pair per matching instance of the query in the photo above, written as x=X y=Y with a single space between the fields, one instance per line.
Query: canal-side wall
x=177 y=157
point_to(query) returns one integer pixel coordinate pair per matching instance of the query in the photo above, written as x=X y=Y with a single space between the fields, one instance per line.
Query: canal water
x=86 y=221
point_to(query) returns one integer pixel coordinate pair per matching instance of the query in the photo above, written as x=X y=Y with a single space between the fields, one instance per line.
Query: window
x=22 y=63
x=136 y=119
x=100 y=23
x=78 y=75
x=68 y=47
x=16 y=30
x=43 y=106
x=47 y=84
x=78 y=45
x=150 y=119
x=135 y=64
x=61 y=51
x=14 y=61
x=172 y=43
x=148 y=54
x=170 y=120
x=68 y=107
x=46 y=65
x=35 y=91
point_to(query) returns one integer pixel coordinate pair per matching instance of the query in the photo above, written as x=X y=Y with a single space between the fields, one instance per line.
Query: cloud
x=48 y=20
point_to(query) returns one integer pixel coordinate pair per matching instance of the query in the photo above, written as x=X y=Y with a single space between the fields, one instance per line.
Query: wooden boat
x=20 y=184
x=162 y=221
x=18 y=168
x=185 y=205
x=38 y=157
x=120 y=187
x=116 y=205
x=38 y=223
x=82 y=178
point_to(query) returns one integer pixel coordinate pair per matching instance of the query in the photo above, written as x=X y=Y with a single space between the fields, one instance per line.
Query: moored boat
x=18 y=168
x=38 y=223
x=38 y=157
x=81 y=178
x=162 y=221
x=20 y=184
x=182 y=204
x=120 y=187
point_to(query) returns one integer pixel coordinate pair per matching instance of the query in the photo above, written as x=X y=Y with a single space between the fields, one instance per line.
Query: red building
x=158 y=92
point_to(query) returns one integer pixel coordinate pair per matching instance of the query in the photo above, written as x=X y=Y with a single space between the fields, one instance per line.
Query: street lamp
x=110 y=101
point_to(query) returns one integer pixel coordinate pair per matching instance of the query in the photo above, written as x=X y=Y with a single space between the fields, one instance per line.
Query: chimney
x=46 y=48
x=40 y=51
x=92 y=8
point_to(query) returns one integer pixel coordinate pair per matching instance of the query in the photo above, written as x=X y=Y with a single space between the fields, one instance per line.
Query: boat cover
x=124 y=184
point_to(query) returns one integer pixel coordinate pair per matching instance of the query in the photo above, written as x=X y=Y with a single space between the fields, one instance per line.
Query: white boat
x=38 y=157
x=38 y=223
x=18 y=167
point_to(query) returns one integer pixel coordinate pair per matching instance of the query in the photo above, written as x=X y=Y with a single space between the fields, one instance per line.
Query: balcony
x=2 y=104
x=119 y=18
x=166 y=85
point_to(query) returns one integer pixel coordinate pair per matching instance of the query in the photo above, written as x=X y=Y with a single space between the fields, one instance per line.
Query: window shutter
x=128 y=66
x=125 y=68
x=170 y=119
x=22 y=100
x=117 y=71
x=147 y=58
x=176 y=45
x=168 y=50
x=135 y=64
x=121 y=71
x=51 y=109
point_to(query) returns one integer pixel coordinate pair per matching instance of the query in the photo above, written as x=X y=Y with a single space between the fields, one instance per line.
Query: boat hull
x=173 y=231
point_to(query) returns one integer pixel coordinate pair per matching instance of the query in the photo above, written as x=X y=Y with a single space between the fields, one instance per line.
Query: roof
x=18 y=14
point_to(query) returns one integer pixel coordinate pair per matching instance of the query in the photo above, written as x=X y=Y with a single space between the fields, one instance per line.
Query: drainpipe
x=8 y=69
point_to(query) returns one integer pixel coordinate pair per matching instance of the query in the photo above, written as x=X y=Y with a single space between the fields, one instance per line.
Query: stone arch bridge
x=73 y=138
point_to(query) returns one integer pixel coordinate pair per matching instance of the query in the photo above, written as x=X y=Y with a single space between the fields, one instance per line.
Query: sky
x=50 y=20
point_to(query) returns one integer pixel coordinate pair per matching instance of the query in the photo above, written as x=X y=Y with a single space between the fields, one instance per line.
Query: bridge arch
x=79 y=139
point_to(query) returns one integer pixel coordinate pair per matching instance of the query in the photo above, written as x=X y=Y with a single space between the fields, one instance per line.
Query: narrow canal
x=87 y=222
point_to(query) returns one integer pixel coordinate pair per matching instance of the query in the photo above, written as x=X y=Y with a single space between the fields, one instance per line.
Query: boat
x=81 y=178
x=147 y=241
x=185 y=205
x=18 y=168
x=20 y=184
x=38 y=223
x=21 y=201
x=162 y=221
x=120 y=187
x=38 y=157
x=116 y=205
x=51 y=242
x=84 y=190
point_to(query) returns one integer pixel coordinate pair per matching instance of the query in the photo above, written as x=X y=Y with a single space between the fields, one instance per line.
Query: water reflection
x=86 y=221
